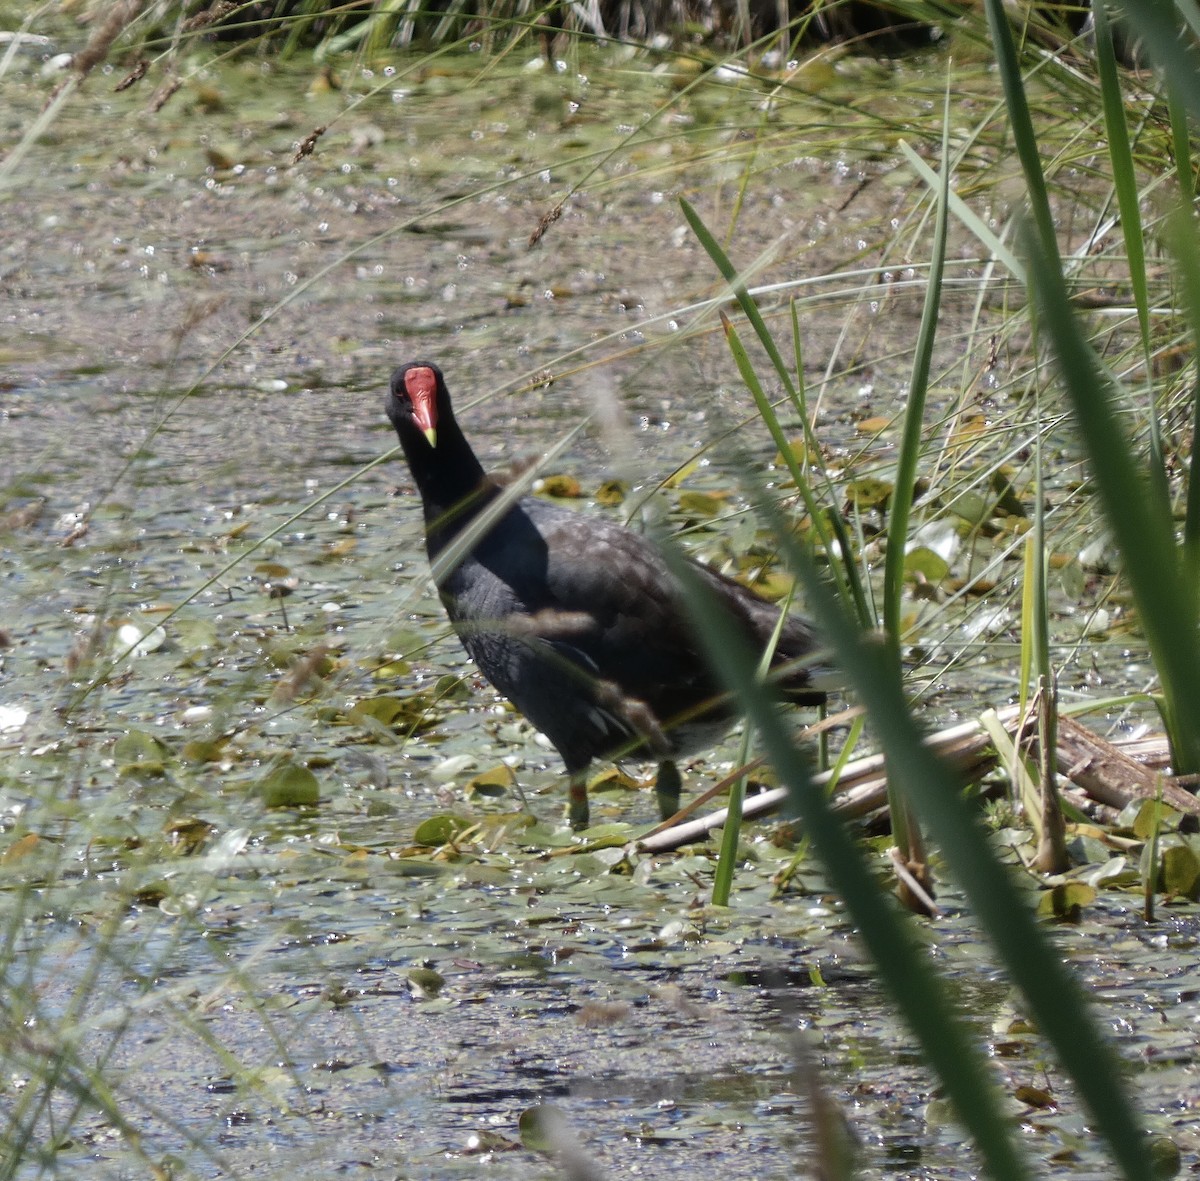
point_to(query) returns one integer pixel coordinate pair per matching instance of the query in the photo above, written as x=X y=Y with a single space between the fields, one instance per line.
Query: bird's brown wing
x=642 y=636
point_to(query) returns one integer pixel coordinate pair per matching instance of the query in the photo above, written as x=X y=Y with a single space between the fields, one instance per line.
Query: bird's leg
x=577 y=800
x=667 y=786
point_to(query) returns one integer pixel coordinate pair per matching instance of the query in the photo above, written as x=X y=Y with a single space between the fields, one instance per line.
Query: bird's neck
x=451 y=480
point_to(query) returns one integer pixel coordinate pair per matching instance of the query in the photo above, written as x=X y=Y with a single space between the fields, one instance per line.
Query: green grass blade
x=1186 y=252
x=1124 y=174
x=909 y=454
x=905 y=971
x=1158 y=25
x=731 y=834
x=1125 y=183
x=1141 y=527
x=967 y=216
x=1021 y=123
x=907 y=462
x=1036 y=583
x=844 y=573
x=749 y=308
x=1057 y=1003
x=1181 y=144
x=1028 y=599
x=727 y=859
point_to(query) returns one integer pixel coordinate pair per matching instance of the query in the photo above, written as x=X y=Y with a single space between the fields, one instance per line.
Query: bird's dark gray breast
x=558 y=609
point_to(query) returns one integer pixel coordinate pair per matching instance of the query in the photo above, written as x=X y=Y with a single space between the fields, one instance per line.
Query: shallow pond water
x=197 y=334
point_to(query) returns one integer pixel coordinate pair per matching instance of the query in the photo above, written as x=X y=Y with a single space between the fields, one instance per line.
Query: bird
x=578 y=620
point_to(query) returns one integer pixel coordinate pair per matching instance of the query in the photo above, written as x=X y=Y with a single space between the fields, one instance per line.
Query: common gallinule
x=577 y=620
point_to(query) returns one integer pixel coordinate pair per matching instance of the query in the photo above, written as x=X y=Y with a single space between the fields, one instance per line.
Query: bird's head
x=416 y=395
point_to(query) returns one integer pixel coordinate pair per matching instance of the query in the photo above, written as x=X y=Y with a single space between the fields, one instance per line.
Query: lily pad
x=384 y=710
x=870 y=493
x=922 y=560
x=1181 y=871
x=440 y=829
x=1152 y=815
x=495 y=781
x=290 y=786
x=1065 y=901
x=612 y=492
x=701 y=504
x=560 y=487
x=140 y=754
x=425 y=983
x=542 y=1128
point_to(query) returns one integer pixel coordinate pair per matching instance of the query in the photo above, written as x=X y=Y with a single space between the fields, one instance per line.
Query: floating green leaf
x=1066 y=900
x=922 y=560
x=440 y=830
x=290 y=786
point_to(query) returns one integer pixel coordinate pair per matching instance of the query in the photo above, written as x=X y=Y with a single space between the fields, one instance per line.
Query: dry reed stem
x=1098 y=770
